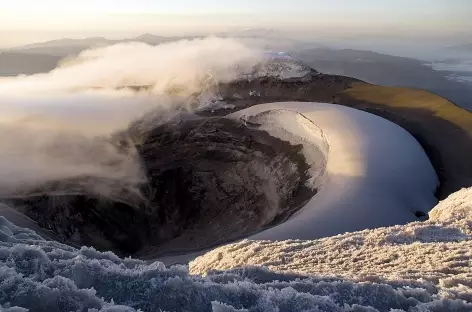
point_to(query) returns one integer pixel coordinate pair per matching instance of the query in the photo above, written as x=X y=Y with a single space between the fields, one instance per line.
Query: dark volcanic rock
x=210 y=171
x=210 y=181
x=313 y=87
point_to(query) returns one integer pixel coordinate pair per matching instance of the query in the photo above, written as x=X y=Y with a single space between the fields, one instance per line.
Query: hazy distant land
x=369 y=66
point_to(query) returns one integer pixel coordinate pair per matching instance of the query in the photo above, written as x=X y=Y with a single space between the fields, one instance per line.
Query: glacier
x=375 y=174
x=421 y=266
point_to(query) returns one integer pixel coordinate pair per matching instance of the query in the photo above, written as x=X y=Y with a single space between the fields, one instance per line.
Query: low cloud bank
x=53 y=124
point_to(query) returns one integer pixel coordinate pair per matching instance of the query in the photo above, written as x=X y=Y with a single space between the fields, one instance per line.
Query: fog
x=54 y=124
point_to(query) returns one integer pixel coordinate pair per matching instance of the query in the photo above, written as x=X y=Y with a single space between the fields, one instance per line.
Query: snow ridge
x=435 y=255
x=428 y=270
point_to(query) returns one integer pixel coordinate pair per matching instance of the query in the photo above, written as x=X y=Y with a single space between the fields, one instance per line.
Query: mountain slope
x=15 y=63
x=388 y=70
x=467 y=47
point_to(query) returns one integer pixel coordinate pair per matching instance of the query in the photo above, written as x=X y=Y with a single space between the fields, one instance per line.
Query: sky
x=25 y=21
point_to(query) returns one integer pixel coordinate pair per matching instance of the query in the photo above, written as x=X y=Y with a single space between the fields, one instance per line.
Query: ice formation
x=415 y=267
x=365 y=182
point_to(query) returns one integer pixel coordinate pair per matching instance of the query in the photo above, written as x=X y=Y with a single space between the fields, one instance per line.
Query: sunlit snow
x=416 y=267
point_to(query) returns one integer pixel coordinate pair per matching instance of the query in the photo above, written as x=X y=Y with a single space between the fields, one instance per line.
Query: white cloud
x=50 y=121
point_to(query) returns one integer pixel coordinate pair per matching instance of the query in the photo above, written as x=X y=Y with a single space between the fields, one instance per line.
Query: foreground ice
x=436 y=254
x=415 y=267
